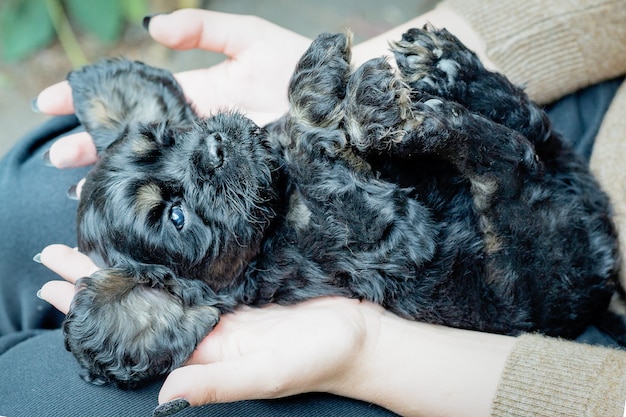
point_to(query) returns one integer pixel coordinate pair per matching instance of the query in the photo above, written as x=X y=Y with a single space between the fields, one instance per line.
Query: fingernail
x=171 y=407
x=37 y=258
x=46 y=159
x=34 y=106
x=72 y=193
x=146 y=20
x=39 y=295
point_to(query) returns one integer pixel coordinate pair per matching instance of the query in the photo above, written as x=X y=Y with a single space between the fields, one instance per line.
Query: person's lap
x=34 y=212
x=39 y=377
x=42 y=380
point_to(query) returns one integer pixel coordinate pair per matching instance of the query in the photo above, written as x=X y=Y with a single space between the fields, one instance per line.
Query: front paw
x=129 y=332
x=378 y=107
x=317 y=87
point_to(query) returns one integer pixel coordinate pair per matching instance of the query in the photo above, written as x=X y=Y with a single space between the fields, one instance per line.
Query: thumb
x=248 y=377
x=213 y=31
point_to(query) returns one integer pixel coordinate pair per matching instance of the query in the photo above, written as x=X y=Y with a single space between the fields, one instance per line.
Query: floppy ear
x=115 y=93
x=130 y=325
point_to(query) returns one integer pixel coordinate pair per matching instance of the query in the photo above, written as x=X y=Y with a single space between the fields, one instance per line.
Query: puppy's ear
x=318 y=84
x=131 y=325
x=115 y=93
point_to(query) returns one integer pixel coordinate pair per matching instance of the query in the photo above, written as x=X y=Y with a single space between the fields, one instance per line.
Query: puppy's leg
x=111 y=95
x=383 y=115
x=495 y=159
x=436 y=62
x=128 y=329
x=318 y=84
x=370 y=228
x=377 y=107
x=316 y=94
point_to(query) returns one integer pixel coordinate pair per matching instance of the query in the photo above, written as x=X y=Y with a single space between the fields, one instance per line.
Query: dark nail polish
x=146 y=20
x=34 y=106
x=171 y=407
x=72 y=193
x=46 y=159
x=37 y=258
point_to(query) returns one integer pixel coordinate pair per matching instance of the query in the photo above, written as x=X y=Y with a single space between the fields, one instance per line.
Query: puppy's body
x=440 y=193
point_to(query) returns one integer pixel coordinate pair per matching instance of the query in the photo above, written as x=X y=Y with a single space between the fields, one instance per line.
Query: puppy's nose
x=215 y=150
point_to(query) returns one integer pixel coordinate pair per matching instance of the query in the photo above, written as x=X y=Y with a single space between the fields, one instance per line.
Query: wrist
x=416 y=368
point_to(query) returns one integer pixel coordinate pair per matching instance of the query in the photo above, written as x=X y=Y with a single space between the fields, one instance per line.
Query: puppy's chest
x=338 y=222
x=374 y=219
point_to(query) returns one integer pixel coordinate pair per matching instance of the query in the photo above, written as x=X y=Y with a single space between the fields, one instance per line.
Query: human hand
x=254 y=353
x=253 y=79
x=277 y=351
x=71 y=265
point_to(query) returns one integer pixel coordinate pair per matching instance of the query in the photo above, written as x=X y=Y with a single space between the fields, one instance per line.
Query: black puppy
x=439 y=191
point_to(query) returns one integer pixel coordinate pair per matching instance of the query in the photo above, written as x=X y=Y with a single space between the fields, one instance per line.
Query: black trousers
x=39 y=378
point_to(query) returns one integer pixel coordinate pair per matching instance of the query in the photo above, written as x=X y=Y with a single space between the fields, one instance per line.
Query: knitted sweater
x=546 y=377
x=554 y=48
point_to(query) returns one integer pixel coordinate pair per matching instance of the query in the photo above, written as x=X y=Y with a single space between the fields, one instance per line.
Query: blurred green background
x=41 y=40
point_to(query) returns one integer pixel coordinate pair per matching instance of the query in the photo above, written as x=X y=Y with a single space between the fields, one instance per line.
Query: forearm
x=417 y=369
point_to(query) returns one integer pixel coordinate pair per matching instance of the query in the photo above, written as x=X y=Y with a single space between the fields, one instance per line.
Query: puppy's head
x=194 y=199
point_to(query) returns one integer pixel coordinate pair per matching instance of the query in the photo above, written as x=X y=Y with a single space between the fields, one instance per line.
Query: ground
x=21 y=82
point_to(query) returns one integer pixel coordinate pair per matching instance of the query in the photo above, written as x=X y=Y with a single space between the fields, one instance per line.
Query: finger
x=209 y=96
x=213 y=31
x=210 y=349
x=75 y=191
x=67 y=262
x=248 y=377
x=56 y=99
x=73 y=151
x=59 y=294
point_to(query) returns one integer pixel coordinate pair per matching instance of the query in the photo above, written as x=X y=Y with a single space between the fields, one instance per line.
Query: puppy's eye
x=177 y=217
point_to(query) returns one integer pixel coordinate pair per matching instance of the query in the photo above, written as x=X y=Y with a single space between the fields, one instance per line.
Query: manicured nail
x=39 y=295
x=34 y=106
x=72 y=193
x=146 y=20
x=37 y=258
x=171 y=407
x=46 y=159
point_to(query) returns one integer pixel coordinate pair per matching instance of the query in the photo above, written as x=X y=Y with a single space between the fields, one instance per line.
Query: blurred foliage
x=29 y=25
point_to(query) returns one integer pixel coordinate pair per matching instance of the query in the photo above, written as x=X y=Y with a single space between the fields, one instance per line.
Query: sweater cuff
x=550 y=48
x=552 y=377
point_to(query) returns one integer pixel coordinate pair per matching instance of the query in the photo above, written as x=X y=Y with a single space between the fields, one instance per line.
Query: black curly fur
x=439 y=191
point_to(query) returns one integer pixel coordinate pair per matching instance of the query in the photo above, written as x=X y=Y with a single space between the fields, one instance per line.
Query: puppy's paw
x=318 y=84
x=377 y=107
x=129 y=330
x=435 y=61
x=439 y=128
x=114 y=93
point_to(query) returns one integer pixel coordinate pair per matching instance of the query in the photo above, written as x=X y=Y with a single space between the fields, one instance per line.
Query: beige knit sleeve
x=608 y=163
x=551 y=47
x=553 y=377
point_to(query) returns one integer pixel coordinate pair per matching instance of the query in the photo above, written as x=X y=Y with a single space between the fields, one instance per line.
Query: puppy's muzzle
x=212 y=153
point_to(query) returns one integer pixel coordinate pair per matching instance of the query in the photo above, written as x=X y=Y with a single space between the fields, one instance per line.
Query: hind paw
x=434 y=61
